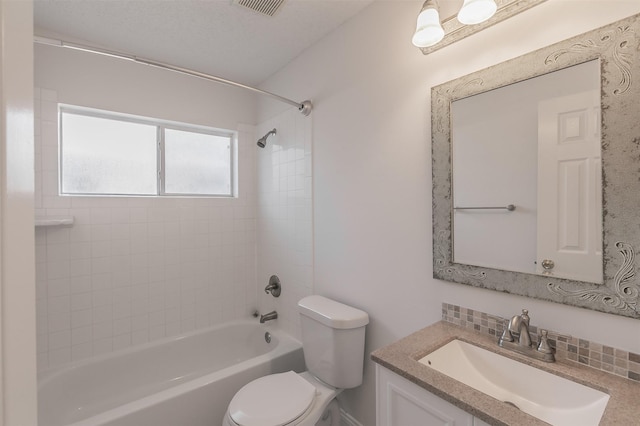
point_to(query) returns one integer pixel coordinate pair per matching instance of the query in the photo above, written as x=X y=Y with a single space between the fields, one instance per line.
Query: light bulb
x=476 y=11
x=428 y=28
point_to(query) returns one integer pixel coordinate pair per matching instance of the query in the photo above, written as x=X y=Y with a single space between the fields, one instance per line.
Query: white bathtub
x=182 y=381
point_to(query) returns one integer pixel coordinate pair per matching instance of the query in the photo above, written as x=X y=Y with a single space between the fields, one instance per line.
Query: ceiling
x=217 y=37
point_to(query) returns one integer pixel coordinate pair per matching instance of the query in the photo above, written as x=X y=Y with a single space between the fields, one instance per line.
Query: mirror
x=527 y=176
x=482 y=160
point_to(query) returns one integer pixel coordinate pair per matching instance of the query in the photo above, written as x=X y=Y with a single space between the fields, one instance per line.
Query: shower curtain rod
x=304 y=107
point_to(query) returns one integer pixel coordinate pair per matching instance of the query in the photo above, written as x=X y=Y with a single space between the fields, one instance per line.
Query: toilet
x=333 y=345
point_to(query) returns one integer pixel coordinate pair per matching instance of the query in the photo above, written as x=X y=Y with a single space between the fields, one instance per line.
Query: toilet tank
x=333 y=340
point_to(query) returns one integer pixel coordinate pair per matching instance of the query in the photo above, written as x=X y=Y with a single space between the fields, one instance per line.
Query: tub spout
x=268 y=317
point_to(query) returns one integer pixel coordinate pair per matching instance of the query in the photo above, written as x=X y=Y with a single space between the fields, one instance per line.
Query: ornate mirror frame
x=617 y=47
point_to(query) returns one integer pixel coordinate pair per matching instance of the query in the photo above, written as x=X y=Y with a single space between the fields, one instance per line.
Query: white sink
x=550 y=398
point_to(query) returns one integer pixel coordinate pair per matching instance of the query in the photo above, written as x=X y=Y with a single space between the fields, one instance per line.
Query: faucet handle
x=543 y=343
x=274 y=287
x=506 y=333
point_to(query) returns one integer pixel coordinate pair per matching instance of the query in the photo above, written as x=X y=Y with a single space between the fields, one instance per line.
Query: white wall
x=285 y=226
x=135 y=269
x=372 y=173
x=18 y=404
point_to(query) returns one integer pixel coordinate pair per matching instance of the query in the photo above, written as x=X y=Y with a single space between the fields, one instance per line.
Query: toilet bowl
x=289 y=399
x=333 y=345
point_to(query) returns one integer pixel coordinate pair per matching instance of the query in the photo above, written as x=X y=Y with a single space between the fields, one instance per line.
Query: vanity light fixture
x=473 y=16
x=476 y=11
x=428 y=29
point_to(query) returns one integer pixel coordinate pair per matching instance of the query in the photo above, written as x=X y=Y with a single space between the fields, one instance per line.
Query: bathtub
x=182 y=381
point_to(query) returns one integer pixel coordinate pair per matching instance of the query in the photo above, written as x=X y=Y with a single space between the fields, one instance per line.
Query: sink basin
x=548 y=397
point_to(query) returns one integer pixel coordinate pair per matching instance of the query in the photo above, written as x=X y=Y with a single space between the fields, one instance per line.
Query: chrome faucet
x=519 y=327
x=268 y=317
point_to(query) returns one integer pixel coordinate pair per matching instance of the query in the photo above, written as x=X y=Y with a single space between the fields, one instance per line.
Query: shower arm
x=304 y=107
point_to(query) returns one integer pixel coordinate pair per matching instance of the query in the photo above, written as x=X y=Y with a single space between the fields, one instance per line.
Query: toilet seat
x=277 y=399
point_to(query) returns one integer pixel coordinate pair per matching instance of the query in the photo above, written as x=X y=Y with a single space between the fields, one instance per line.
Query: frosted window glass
x=197 y=163
x=103 y=156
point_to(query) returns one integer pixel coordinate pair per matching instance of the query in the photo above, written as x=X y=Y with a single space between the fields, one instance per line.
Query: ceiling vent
x=265 y=7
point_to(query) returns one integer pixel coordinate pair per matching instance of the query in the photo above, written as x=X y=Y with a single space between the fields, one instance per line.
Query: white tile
x=102 y=314
x=59 y=305
x=49 y=110
x=122 y=310
x=49 y=95
x=79 y=284
x=49 y=133
x=42 y=343
x=80 y=250
x=57 y=252
x=81 y=318
x=122 y=341
x=157 y=332
x=79 y=267
x=100 y=248
x=57 y=235
x=56 y=270
x=59 y=340
x=82 y=351
x=59 y=357
x=122 y=326
x=140 y=322
x=102 y=330
x=79 y=233
x=157 y=318
x=120 y=231
x=102 y=346
x=100 y=216
x=50 y=182
x=59 y=322
x=102 y=298
x=100 y=232
x=49 y=158
x=81 y=335
x=81 y=301
x=120 y=215
x=140 y=336
x=101 y=265
x=138 y=214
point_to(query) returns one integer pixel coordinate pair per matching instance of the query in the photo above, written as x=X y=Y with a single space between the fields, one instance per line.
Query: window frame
x=161 y=126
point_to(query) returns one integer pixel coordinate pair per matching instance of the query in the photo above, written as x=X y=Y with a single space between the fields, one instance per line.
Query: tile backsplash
x=134 y=269
x=570 y=348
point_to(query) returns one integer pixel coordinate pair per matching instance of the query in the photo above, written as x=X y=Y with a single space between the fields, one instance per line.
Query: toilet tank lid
x=331 y=313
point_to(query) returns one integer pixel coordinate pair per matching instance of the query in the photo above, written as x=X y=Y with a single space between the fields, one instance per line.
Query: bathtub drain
x=267 y=337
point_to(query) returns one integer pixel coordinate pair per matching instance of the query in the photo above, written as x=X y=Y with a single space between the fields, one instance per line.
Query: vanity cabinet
x=400 y=402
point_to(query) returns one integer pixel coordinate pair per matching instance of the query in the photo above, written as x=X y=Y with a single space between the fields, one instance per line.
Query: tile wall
x=569 y=348
x=285 y=217
x=135 y=269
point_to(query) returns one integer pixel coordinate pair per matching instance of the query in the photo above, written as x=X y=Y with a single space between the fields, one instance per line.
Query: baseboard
x=347 y=419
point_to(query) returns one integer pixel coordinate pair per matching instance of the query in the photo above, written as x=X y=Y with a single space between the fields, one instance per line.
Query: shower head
x=263 y=140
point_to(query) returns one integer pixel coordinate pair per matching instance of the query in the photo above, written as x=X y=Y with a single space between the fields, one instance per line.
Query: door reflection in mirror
x=534 y=144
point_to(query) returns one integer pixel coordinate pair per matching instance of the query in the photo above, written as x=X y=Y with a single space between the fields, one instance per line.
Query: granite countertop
x=402 y=358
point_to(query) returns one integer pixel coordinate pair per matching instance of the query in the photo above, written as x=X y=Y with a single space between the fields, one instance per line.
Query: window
x=104 y=153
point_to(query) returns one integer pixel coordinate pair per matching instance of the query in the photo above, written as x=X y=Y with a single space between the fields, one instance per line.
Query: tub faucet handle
x=274 y=287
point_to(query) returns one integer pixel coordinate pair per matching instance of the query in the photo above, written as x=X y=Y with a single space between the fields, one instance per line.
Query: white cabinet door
x=400 y=402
